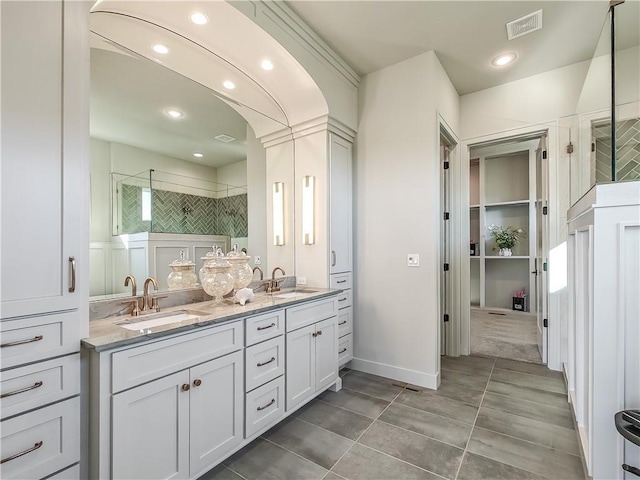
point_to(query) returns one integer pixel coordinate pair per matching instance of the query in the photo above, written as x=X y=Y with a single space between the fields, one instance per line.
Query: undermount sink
x=160 y=319
x=293 y=293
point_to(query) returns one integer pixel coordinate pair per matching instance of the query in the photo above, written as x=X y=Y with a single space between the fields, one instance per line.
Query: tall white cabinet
x=44 y=225
x=502 y=192
x=341 y=238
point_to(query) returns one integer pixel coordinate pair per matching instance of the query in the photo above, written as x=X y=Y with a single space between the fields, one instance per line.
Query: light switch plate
x=257 y=260
x=413 y=260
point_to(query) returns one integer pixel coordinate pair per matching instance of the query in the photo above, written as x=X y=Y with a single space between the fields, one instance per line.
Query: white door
x=44 y=140
x=326 y=352
x=301 y=365
x=150 y=430
x=340 y=201
x=541 y=248
x=217 y=410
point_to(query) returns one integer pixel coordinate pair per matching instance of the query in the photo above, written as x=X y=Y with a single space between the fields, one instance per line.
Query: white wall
x=100 y=190
x=397 y=212
x=234 y=174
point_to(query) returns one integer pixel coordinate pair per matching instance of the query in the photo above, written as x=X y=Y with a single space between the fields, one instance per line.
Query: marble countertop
x=108 y=333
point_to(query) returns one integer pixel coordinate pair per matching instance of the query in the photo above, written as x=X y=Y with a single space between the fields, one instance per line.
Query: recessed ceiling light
x=229 y=85
x=173 y=113
x=199 y=18
x=161 y=49
x=198 y=155
x=266 y=64
x=503 y=59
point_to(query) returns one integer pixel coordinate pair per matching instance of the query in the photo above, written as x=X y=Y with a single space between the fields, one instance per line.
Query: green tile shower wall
x=627 y=151
x=208 y=216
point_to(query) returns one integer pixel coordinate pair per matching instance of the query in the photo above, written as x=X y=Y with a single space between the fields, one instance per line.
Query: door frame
x=557 y=220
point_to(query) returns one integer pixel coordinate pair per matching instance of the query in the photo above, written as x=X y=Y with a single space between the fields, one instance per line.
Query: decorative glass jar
x=182 y=274
x=215 y=275
x=240 y=270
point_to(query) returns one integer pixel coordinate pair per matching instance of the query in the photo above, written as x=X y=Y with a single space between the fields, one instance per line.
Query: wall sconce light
x=278 y=213
x=308 y=210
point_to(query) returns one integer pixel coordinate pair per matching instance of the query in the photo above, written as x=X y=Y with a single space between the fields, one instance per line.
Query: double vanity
x=174 y=393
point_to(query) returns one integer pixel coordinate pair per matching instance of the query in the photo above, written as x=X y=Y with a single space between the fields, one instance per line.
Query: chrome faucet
x=273 y=285
x=261 y=272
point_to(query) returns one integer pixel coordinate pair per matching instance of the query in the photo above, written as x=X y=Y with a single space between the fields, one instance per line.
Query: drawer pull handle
x=72 y=263
x=268 y=326
x=22 y=390
x=186 y=387
x=197 y=382
x=342 y=323
x=273 y=359
x=13 y=457
x=273 y=400
x=342 y=351
x=341 y=281
x=333 y=258
x=37 y=338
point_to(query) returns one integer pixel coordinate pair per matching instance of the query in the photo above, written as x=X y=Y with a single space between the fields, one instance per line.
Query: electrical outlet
x=413 y=260
x=257 y=260
x=301 y=280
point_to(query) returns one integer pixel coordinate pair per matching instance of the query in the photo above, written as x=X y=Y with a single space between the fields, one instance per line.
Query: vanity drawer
x=71 y=473
x=31 y=339
x=138 y=365
x=344 y=299
x=312 y=312
x=345 y=321
x=345 y=349
x=48 y=437
x=263 y=327
x=265 y=406
x=341 y=280
x=264 y=362
x=38 y=384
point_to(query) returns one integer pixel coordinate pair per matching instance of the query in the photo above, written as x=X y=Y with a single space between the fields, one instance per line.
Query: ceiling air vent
x=527 y=24
x=225 y=138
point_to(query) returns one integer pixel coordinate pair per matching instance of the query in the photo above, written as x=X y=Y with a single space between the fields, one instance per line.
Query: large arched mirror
x=175 y=165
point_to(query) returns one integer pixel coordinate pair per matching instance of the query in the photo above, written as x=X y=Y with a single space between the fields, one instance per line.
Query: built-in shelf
x=474 y=257
x=513 y=203
x=513 y=257
x=474 y=206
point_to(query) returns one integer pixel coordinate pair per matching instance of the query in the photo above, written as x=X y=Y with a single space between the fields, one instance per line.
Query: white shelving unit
x=502 y=188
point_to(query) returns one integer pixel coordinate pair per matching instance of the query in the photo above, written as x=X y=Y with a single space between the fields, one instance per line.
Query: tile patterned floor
x=491 y=419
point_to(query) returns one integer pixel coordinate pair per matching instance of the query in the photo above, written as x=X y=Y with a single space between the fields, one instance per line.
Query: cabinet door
x=217 y=410
x=326 y=353
x=301 y=365
x=341 y=204
x=150 y=430
x=44 y=163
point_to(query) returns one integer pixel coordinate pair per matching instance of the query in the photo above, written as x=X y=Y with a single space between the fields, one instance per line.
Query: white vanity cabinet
x=181 y=424
x=44 y=224
x=168 y=408
x=312 y=350
x=345 y=317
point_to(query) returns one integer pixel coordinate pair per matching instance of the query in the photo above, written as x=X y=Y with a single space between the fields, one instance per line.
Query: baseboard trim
x=414 y=377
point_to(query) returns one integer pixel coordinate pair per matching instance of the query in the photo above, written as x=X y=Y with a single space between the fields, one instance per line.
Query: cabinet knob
x=185 y=387
x=197 y=382
x=319 y=332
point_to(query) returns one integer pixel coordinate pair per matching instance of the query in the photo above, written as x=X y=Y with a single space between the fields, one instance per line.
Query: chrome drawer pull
x=37 y=338
x=342 y=323
x=13 y=457
x=341 y=281
x=342 y=351
x=273 y=400
x=342 y=299
x=22 y=390
x=273 y=359
x=268 y=326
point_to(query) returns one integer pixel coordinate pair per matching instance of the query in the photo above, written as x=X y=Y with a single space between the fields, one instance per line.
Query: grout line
x=451 y=419
x=466 y=447
x=422 y=434
x=294 y=453
x=369 y=395
x=351 y=411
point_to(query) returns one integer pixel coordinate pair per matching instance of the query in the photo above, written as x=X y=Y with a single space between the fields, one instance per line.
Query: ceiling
x=466 y=35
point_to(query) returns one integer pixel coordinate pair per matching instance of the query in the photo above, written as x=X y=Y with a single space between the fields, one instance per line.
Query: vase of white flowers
x=506 y=238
